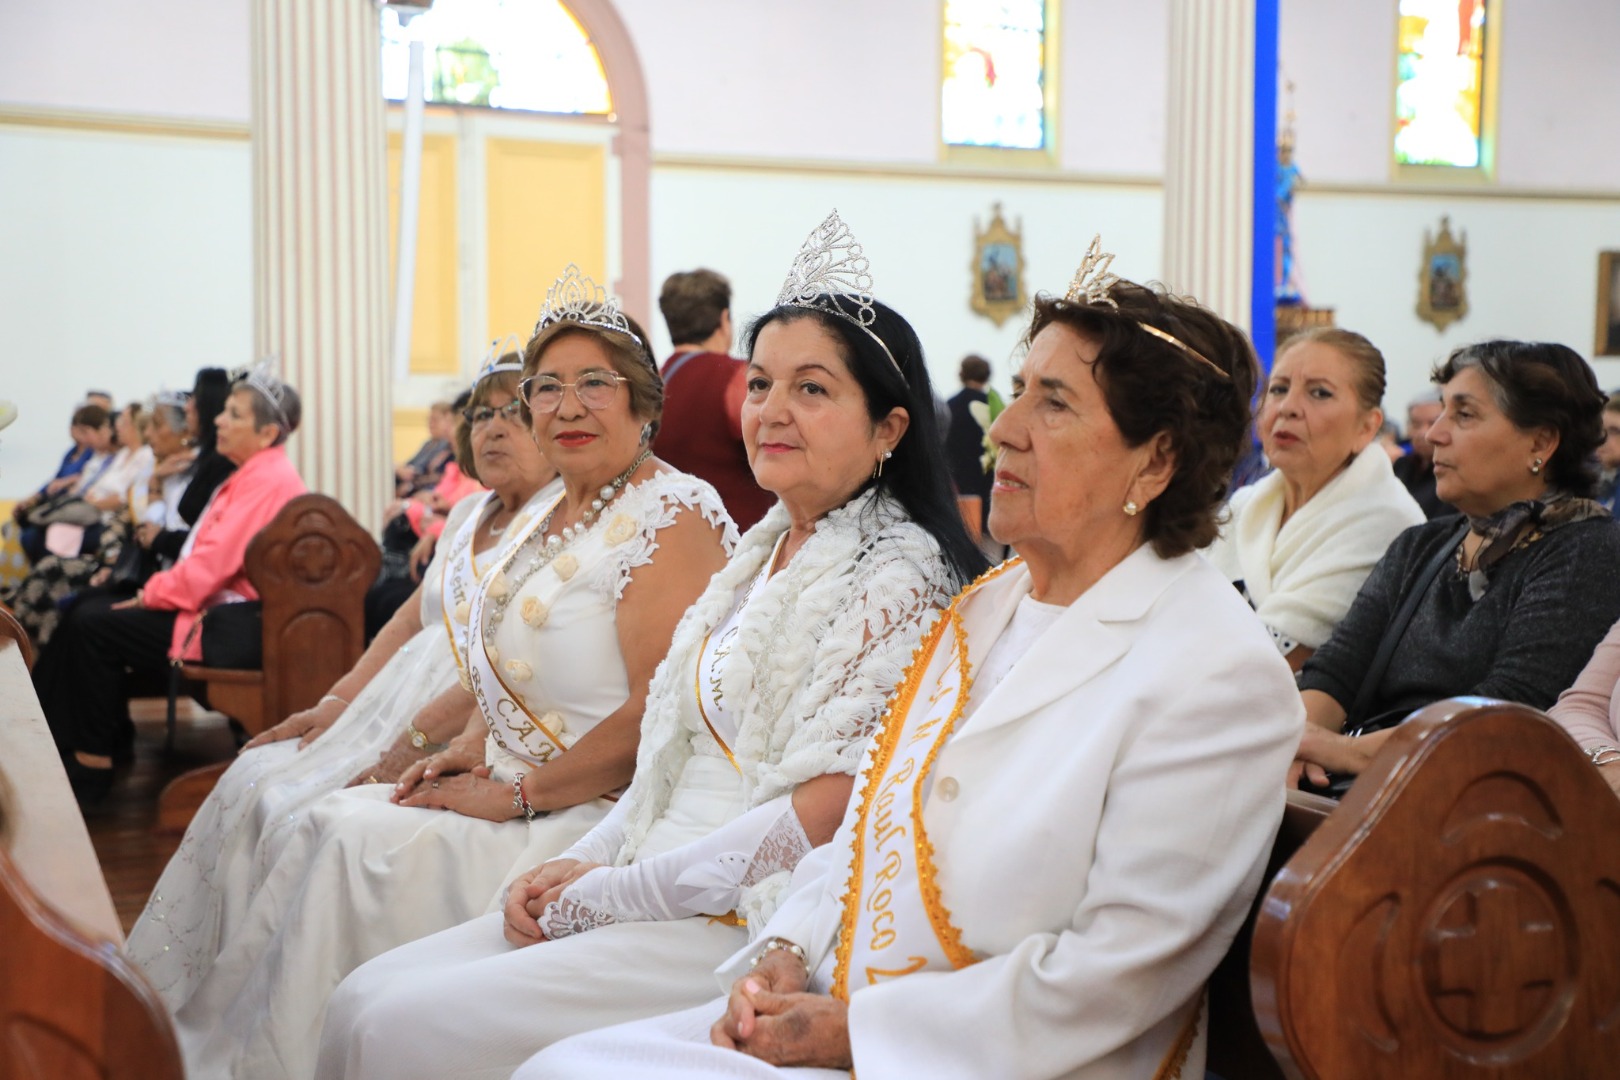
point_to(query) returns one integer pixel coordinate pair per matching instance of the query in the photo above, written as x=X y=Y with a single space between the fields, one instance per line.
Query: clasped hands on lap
x=771 y=1016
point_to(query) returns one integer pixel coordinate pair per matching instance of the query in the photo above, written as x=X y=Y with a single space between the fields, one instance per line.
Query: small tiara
x=172 y=398
x=261 y=376
x=492 y=364
x=577 y=299
x=1092 y=285
x=831 y=265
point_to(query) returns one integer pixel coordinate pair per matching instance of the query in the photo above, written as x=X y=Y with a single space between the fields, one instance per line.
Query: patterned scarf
x=1518 y=526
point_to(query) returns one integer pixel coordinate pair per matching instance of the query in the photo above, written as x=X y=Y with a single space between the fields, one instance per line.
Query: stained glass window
x=993 y=91
x=1440 y=82
x=507 y=54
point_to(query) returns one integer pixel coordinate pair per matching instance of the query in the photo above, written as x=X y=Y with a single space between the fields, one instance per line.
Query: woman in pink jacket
x=81 y=677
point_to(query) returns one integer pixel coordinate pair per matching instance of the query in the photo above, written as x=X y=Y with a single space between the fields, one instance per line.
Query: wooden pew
x=12 y=630
x=71 y=1005
x=311 y=567
x=1457 y=916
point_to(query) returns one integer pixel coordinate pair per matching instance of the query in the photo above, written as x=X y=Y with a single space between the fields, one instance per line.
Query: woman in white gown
x=404 y=687
x=1071 y=801
x=754 y=727
x=567 y=629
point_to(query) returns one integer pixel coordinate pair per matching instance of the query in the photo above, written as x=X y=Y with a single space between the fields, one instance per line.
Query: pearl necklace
x=554 y=542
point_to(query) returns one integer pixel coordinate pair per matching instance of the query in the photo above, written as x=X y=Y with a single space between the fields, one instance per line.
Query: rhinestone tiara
x=830 y=265
x=263 y=376
x=1092 y=284
x=173 y=398
x=577 y=299
x=492 y=364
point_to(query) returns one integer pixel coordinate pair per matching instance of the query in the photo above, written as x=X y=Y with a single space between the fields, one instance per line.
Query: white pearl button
x=947 y=788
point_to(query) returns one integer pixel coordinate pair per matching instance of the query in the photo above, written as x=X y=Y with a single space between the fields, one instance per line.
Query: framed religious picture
x=998 y=269
x=1608 y=304
x=1443 y=278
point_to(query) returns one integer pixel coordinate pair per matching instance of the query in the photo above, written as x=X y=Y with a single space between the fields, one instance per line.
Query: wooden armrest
x=236 y=676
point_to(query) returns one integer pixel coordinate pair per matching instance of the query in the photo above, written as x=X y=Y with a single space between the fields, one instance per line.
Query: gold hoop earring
x=878 y=471
x=1131 y=509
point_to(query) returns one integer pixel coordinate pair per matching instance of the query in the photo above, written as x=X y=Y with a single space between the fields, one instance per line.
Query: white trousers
x=464 y=1003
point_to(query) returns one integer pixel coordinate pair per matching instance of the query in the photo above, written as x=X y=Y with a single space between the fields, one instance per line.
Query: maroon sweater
x=701 y=435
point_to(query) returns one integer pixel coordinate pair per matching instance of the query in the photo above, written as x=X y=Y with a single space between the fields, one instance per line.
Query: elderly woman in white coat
x=755 y=725
x=1303 y=538
x=1068 y=810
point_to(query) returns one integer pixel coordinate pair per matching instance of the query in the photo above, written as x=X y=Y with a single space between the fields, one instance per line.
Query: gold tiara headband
x=1091 y=285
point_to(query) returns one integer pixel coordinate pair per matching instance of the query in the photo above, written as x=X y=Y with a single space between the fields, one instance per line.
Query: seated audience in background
x=1301 y=540
x=566 y=633
x=964 y=444
x=1608 y=455
x=403 y=700
x=752 y=732
x=1590 y=709
x=38 y=599
x=60 y=501
x=1416 y=468
x=701 y=432
x=1507 y=600
x=99 y=397
x=412 y=526
x=1389 y=437
x=207 y=470
x=425 y=466
x=1054 y=843
x=81 y=677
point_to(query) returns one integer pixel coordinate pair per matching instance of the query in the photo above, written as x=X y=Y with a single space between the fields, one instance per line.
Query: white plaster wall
x=161 y=57
x=1532 y=274
x=124 y=264
x=917 y=234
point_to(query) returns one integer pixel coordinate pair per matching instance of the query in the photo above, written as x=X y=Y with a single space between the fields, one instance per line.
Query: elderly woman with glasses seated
x=403 y=696
x=1064 y=817
x=564 y=634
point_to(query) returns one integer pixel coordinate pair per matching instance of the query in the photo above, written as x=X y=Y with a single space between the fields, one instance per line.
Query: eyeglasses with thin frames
x=483 y=414
x=595 y=390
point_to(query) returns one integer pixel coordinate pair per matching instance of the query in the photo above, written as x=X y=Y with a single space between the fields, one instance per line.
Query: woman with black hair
x=208 y=467
x=753 y=728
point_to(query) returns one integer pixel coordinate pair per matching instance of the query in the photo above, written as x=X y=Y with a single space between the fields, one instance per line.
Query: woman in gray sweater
x=1506 y=599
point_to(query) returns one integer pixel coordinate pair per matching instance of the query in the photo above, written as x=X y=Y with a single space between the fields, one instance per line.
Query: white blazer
x=1116 y=798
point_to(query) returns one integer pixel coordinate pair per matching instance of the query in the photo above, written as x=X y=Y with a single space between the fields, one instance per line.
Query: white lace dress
x=811 y=657
x=362 y=875
x=244 y=824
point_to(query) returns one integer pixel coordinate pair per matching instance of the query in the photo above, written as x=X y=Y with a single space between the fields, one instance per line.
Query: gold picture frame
x=998 y=269
x=1443 y=277
x=1608 y=305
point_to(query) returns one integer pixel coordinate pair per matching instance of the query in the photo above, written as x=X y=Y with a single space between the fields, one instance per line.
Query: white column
x=1209 y=162
x=320 y=198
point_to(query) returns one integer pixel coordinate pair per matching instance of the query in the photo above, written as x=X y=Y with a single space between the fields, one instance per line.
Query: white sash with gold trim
x=895 y=921
x=516 y=734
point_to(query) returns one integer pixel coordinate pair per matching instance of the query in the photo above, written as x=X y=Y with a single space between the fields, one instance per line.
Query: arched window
x=995 y=85
x=1444 y=82
x=506 y=54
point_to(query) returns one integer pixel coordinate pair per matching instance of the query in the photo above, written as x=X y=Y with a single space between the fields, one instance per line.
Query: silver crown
x=576 y=298
x=172 y=398
x=262 y=375
x=831 y=266
x=1093 y=283
x=492 y=364
x=1092 y=280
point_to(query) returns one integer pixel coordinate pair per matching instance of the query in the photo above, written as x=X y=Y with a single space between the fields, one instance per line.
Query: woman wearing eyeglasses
x=564 y=633
x=404 y=691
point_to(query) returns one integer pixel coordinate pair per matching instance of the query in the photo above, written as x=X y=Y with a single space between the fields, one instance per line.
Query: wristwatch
x=420 y=741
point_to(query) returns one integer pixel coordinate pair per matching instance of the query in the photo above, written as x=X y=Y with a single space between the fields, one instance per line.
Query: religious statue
x=1288 y=179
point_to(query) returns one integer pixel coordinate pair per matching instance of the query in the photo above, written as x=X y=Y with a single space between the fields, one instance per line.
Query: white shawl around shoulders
x=1302 y=576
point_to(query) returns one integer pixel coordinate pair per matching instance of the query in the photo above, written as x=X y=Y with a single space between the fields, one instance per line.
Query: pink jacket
x=210 y=569
x=1587 y=709
x=452 y=487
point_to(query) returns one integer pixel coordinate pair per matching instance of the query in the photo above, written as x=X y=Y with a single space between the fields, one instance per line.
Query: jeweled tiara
x=831 y=264
x=577 y=299
x=493 y=364
x=1092 y=284
x=172 y=398
x=263 y=375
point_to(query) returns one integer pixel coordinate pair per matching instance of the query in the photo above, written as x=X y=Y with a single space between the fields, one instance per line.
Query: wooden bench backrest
x=1459 y=916
x=311 y=566
x=71 y=1005
x=12 y=630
